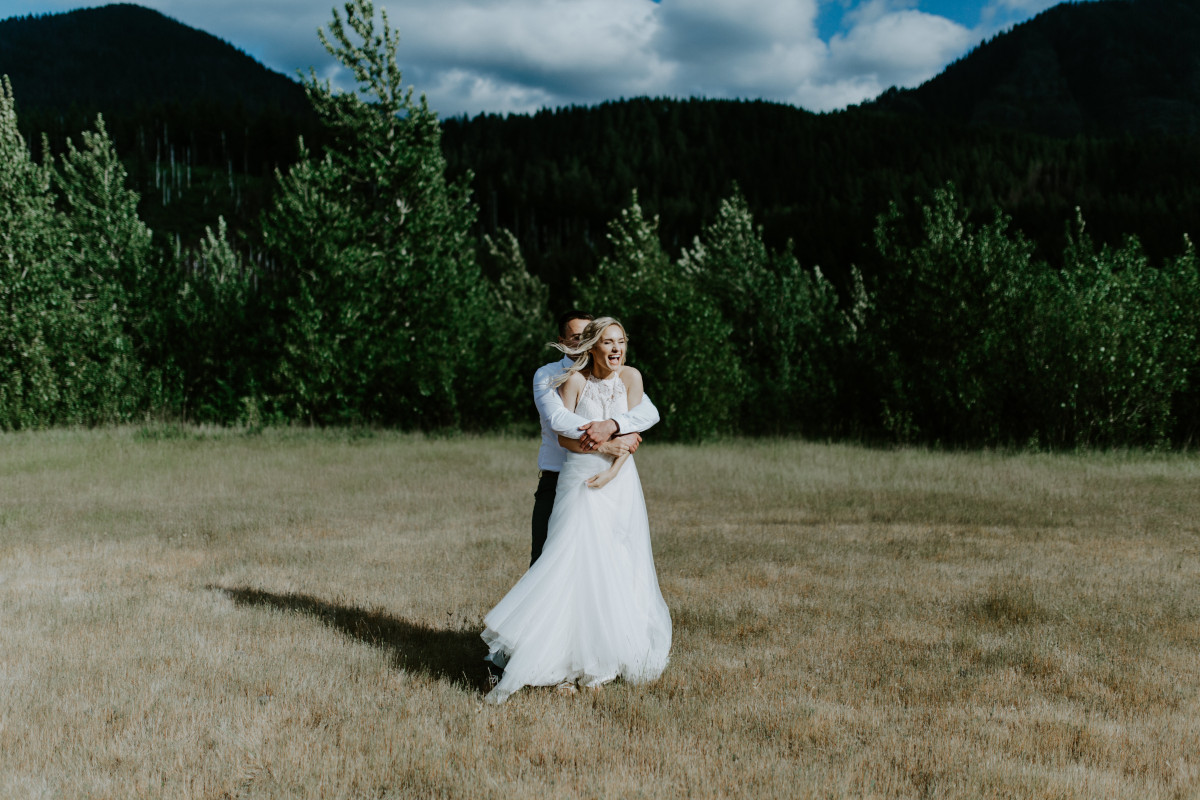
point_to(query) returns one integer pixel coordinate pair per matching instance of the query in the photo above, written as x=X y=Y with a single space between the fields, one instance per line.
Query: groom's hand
x=596 y=432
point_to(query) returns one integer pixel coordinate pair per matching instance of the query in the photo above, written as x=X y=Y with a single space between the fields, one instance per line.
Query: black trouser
x=543 y=505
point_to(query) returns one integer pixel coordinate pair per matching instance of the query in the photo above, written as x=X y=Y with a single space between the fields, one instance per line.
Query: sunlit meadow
x=192 y=613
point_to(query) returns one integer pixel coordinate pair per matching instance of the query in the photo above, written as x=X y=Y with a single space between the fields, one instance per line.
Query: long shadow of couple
x=453 y=655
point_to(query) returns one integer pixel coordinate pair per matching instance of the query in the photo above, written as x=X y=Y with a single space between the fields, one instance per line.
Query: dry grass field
x=210 y=614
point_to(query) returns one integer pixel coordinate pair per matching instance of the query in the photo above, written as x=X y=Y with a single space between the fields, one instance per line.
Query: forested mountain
x=121 y=57
x=200 y=124
x=177 y=98
x=1095 y=68
x=556 y=177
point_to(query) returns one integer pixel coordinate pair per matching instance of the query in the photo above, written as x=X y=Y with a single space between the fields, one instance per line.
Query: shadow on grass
x=453 y=655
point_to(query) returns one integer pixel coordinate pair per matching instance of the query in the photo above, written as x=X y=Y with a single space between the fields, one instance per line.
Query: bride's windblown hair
x=582 y=352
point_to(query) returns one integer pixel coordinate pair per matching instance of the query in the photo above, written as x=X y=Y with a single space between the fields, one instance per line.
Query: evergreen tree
x=678 y=336
x=383 y=302
x=112 y=280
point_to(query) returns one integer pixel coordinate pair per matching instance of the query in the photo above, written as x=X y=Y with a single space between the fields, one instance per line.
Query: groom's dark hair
x=566 y=317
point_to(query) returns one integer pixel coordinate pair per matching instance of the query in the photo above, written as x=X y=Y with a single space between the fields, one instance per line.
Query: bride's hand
x=600 y=480
x=613 y=447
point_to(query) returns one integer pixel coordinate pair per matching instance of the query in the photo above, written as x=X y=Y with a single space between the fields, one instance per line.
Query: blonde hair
x=582 y=352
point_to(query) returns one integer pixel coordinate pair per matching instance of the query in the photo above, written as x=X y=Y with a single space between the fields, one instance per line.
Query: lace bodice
x=602 y=399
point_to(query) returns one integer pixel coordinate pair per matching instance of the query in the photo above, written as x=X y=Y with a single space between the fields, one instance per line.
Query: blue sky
x=472 y=56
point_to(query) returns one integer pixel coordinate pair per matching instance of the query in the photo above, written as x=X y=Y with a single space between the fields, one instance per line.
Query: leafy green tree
x=679 y=339
x=1183 y=309
x=513 y=329
x=382 y=300
x=38 y=321
x=112 y=280
x=948 y=333
x=223 y=332
x=1118 y=344
x=787 y=330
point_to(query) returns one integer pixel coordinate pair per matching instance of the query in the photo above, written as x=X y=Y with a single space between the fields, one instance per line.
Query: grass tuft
x=1010 y=601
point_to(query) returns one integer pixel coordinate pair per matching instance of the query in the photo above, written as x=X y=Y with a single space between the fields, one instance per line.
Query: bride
x=589 y=610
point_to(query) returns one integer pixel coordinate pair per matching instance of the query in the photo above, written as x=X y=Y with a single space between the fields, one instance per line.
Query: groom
x=556 y=419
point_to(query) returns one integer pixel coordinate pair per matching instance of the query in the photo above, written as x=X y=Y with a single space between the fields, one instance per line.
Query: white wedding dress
x=589 y=610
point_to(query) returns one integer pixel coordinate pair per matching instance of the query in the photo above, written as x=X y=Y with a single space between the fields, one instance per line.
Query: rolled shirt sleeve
x=641 y=417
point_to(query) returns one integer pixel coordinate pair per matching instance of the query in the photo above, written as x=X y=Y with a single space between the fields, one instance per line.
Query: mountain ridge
x=556 y=177
x=1100 y=68
x=102 y=75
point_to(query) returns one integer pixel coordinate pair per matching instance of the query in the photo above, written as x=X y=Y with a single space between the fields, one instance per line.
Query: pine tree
x=109 y=254
x=383 y=297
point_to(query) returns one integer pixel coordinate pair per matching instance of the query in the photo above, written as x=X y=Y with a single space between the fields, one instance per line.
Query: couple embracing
x=589 y=609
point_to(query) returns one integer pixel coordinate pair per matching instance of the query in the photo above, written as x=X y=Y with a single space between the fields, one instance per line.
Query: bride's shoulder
x=631 y=377
x=574 y=381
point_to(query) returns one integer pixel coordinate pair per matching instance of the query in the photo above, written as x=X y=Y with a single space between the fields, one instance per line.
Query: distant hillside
x=1096 y=68
x=201 y=125
x=557 y=177
x=122 y=57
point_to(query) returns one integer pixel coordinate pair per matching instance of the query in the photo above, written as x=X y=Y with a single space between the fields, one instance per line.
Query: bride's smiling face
x=610 y=350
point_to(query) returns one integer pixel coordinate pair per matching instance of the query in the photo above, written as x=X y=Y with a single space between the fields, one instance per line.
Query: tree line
x=376 y=305
x=556 y=177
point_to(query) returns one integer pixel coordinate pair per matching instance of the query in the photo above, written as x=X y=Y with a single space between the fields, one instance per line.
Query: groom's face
x=573 y=332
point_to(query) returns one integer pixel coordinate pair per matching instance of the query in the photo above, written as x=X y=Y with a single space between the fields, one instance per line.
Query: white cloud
x=830 y=94
x=864 y=13
x=464 y=92
x=738 y=48
x=524 y=54
x=584 y=48
x=998 y=15
x=472 y=56
x=901 y=48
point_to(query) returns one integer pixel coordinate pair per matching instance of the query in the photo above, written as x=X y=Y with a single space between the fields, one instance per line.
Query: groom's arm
x=641 y=417
x=550 y=407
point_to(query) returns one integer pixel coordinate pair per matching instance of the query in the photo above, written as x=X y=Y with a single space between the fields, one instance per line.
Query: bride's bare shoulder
x=574 y=382
x=631 y=377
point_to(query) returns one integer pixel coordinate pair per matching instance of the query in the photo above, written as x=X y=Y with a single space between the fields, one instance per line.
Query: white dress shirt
x=556 y=419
